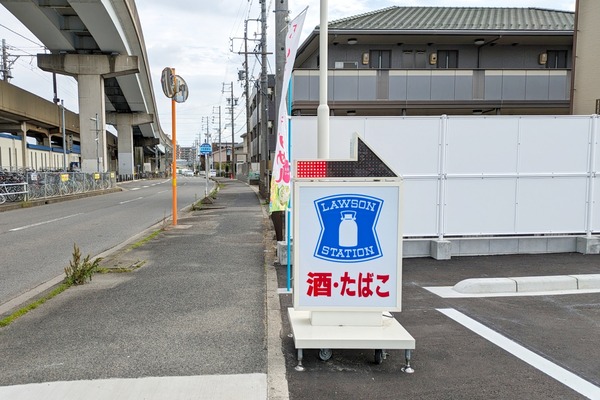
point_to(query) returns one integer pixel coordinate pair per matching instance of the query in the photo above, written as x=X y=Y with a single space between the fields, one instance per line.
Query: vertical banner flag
x=280 y=180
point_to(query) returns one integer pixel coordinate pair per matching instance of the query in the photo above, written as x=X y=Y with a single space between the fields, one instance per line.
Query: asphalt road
x=198 y=311
x=188 y=324
x=37 y=242
x=452 y=361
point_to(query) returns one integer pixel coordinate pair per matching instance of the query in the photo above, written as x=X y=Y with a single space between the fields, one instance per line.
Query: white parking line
x=563 y=376
x=129 y=201
x=44 y=222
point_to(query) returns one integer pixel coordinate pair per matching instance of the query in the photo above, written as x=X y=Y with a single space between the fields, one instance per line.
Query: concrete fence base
x=482 y=246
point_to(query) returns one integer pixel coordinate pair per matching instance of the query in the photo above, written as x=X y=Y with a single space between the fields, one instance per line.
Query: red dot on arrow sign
x=312 y=169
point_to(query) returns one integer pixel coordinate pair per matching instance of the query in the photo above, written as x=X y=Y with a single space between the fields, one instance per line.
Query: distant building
x=253 y=141
x=586 y=80
x=441 y=60
x=187 y=153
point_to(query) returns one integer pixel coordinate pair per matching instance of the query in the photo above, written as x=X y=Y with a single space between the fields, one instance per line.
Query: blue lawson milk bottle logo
x=348 y=228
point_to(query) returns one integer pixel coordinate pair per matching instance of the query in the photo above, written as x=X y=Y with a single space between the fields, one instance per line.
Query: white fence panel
x=341 y=134
x=420 y=207
x=481 y=176
x=554 y=144
x=551 y=205
x=482 y=145
x=595 y=219
x=479 y=206
x=594 y=195
x=304 y=138
x=408 y=146
x=412 y=149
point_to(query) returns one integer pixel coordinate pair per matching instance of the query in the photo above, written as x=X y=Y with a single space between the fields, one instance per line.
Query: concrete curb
x=528 y=284
x=277 y=385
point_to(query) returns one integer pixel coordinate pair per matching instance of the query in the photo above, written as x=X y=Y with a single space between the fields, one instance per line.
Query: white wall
x=479 y=175
x=10 y=153
x=11 y=156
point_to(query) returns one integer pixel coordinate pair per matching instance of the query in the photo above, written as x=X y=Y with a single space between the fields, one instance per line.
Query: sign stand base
x=387 y=334
x=351 y=318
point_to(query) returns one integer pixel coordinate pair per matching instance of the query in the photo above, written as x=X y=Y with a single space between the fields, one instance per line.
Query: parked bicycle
x=13 y=186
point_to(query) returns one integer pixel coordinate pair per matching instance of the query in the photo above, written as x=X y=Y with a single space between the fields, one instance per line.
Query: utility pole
x=246 y=81
x=200 y=142
x=64 y=134
x=232 y=102
x=207 y=159
x=264 y=103
x=219 y=108
x=245 y=74
x=6 y=64
x=5 y=71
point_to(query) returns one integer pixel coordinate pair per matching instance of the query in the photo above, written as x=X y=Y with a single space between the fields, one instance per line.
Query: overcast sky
x=193 y=37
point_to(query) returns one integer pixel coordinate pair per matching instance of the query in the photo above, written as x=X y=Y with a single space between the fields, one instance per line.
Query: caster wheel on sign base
x=379 y=356
x=325 y=354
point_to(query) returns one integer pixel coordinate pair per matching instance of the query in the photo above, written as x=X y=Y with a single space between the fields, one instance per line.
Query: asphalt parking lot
x=521 y=336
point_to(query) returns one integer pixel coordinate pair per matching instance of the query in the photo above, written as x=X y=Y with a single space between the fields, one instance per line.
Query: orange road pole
x=174 y=165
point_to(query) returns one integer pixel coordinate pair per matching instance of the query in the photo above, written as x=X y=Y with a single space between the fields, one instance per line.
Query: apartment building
x=441 y=60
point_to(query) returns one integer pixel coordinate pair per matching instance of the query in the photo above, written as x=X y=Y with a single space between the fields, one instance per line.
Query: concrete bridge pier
x=23 y=134
x=90 y=71
x=125 y=123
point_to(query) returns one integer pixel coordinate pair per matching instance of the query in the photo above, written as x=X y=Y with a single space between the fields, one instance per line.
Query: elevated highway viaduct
x=101 y=44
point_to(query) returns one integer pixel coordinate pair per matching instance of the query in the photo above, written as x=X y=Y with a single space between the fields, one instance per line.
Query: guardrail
x=13 y=192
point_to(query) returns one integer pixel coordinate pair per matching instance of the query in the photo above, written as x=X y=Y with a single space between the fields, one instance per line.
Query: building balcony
x=438 y=90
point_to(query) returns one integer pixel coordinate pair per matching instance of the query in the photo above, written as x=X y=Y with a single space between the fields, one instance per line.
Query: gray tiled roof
x=459 y=18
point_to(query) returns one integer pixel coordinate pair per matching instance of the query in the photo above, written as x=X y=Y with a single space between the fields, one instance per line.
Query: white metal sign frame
x=348 y=246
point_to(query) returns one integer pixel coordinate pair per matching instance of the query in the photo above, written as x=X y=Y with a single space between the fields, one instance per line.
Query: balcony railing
x=436 y=85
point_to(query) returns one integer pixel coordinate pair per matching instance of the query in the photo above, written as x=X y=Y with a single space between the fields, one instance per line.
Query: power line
x=24 y=37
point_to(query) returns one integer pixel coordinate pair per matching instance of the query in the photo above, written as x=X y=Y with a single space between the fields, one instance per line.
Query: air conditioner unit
x=346 y=65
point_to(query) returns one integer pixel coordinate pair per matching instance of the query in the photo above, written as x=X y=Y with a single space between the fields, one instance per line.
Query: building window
x=380 y=59
x=556 y=59
x=414 y=59
x=447 y=59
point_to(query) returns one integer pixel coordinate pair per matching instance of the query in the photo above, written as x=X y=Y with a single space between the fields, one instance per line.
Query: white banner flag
x=280 y=180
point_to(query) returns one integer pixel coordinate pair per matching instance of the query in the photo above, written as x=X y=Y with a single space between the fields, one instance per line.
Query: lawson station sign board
x=347 y=243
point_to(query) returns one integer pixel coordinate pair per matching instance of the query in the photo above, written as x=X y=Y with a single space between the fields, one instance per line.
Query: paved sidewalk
x=190 y=323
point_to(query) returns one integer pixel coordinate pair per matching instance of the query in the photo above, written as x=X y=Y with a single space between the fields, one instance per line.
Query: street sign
x=348 y=256
x=348 y=238
x=205 y=149
x=366 y=165
x=348 y=250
